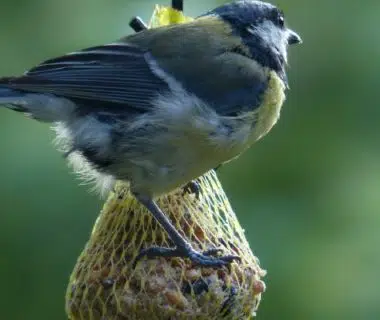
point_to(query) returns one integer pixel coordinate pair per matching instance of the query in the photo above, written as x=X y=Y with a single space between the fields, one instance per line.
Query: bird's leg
x=183 y=248
x=218 y=167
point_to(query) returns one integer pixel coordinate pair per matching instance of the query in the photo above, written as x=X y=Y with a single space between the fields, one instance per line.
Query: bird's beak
x=293 y=38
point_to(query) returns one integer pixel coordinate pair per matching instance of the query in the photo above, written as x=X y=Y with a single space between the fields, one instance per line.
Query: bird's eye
x=277 y=17
x=280 y=20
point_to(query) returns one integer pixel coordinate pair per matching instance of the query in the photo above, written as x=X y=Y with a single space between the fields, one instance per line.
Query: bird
x=161 y=107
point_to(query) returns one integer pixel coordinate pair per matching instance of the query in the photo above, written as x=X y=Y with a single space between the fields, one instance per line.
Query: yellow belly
x=187 y=154
x=269 y=112
x=251 y=126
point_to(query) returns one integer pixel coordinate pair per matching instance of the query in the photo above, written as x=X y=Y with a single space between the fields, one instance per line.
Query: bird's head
x=262 y=28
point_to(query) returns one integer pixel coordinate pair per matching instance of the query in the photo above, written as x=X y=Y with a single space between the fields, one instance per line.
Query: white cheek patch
x=273 y=36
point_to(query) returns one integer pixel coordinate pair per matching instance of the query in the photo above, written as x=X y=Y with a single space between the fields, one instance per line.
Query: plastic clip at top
x=177 y=4
x=137 y=24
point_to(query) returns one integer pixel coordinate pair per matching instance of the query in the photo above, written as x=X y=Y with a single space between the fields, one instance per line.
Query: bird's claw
x=212 y=252
x=205 y=259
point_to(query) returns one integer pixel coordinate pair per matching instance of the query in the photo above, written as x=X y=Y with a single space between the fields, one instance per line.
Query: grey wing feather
x=230 y=83
x=116 y=73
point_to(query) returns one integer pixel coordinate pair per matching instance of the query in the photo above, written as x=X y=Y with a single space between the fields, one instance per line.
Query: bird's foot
x=208 y=258
x=192 y=188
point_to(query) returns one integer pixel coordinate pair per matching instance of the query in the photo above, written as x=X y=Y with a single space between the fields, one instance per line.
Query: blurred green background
x=308 y=195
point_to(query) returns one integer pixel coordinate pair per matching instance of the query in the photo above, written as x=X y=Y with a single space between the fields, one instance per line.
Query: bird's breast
x=269 y=111
x=234 y=135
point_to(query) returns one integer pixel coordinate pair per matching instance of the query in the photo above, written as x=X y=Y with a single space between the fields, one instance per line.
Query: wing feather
x=115 y=73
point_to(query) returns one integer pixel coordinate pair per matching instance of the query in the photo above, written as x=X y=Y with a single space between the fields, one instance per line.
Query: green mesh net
x=105 y=285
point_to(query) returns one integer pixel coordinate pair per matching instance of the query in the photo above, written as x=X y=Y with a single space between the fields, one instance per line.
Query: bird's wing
x=209 y=61
x=229 y=83
x=116 y=73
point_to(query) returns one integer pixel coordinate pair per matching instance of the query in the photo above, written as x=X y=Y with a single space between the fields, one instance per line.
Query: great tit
x=163 y=106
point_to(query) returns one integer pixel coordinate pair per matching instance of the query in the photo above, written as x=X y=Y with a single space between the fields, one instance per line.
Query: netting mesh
x=105 y=285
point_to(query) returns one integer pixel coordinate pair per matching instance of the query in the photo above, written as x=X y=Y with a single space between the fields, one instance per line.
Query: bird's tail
x=40 y=106
x=13 y=99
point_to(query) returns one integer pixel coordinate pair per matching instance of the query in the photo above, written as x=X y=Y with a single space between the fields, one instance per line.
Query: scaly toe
x=205 y=259
x=212 y=252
